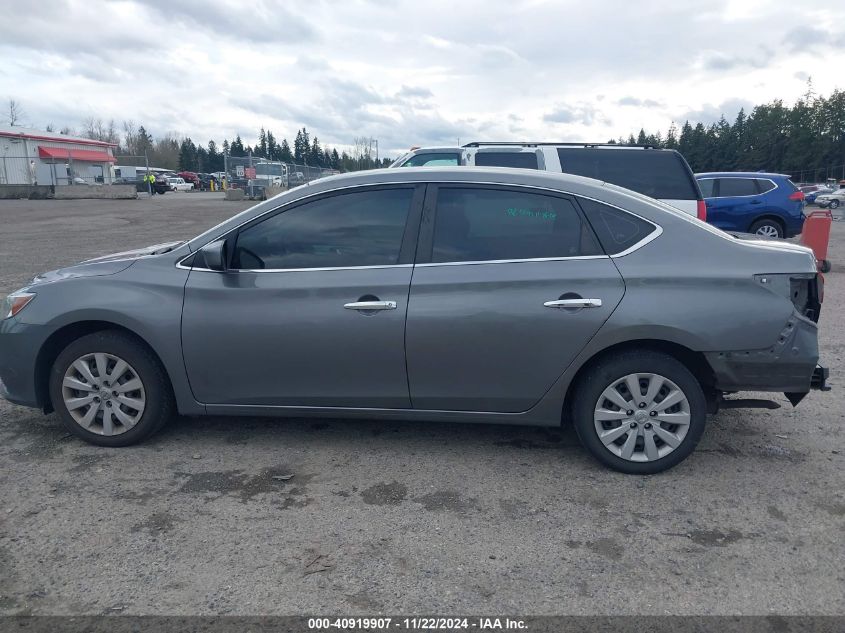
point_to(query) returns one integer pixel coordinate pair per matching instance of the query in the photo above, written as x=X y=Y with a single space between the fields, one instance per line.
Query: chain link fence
x=830 y=175
x=259 y=176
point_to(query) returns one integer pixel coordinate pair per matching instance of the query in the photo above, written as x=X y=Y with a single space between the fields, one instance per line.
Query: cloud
x=409 y=72
x=414 y=92
x=584 y=113
x=634 y=101
x=259 y=21
x=806 y=38
x=709 y=113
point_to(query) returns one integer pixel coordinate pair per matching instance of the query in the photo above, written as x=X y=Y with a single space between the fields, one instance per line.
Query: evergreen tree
x=237 y=147
x=671 y=137
x=261 y=148
x=316 y=154
x=285 y=155
x=214 y=160
x=188 y=155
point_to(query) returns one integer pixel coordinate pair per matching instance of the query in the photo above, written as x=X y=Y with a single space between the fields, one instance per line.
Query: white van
x=658 y=173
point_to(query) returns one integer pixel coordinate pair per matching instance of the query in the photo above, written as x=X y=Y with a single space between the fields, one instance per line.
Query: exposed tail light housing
x=701 y=211
x=797 y=196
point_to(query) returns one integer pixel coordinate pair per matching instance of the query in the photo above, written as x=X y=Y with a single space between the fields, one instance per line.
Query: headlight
x=14 y=303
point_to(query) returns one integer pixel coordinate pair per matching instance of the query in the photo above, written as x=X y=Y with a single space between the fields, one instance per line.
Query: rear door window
x=522 y=160
x=617 y=230
x=483 y=224
x=733 y=187
x=655 y=173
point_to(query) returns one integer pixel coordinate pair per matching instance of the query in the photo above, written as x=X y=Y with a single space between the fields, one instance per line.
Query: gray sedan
x=425 y=294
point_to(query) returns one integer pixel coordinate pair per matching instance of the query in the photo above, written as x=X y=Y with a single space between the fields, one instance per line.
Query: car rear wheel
x=639 y=412
x=110 y=390
x=834 y=204
x=767 y=228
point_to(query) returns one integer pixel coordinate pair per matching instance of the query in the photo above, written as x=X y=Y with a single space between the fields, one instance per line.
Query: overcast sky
x=420 y=72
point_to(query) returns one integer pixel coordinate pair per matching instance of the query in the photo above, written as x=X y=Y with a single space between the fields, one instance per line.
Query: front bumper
x=19 y=346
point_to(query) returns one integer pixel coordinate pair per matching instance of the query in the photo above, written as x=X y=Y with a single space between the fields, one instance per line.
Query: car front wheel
x=834 y=204
x=110 y=390
x=639 y=412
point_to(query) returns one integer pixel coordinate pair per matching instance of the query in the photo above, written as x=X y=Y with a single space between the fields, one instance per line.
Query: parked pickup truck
x=179 y=184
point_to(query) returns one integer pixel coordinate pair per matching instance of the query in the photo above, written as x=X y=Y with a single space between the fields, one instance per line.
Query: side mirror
x=213 y=255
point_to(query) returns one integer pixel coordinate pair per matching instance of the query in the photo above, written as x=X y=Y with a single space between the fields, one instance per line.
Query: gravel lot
x=401 y=517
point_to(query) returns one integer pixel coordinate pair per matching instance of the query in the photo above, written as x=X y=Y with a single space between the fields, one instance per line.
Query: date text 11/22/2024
x=417 y=623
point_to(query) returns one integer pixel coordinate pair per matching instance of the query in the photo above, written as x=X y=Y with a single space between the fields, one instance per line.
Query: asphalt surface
x=404 y=517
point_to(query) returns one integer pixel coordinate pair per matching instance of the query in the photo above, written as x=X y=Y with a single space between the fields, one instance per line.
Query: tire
x=590 y=400
x=760 y=227
x=825 y=266
x=138 y=405
x=834 y=204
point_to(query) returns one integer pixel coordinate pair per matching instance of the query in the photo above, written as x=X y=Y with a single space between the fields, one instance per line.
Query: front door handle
x=573 y=303
x=367 y=306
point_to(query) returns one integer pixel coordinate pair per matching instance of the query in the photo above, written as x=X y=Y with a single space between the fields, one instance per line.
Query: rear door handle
x=573 y=303
x=756 y=202
x=366 y=306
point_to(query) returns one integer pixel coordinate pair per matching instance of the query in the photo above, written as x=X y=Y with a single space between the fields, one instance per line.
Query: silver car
x=467 y=295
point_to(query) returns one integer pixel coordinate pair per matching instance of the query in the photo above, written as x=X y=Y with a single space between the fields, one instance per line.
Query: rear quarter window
x=523 y=160
x=765 y=185
x=617 y=230
x=706 y=185
x=655 y=173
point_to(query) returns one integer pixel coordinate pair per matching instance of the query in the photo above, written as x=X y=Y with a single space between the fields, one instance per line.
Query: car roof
x=742 y=174
x=488 y=175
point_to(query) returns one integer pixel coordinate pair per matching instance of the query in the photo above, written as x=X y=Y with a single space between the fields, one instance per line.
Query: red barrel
x=816 y=235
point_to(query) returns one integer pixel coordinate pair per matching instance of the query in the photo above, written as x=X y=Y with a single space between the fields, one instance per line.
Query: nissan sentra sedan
x=427 y=294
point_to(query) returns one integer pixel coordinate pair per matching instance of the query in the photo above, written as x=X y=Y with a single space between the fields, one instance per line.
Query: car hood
x=105 y=265
x=155 y=249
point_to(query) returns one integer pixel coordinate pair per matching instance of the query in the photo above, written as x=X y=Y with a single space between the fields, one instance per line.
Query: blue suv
x=765 y=204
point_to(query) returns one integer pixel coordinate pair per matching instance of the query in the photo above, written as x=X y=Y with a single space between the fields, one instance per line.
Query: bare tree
x=130 y=138
x=96 y=130
x=16 y=112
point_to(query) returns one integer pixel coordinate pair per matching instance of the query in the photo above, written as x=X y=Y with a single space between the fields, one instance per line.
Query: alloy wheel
x=767 y=230
x=103 y=394
x=642 y=417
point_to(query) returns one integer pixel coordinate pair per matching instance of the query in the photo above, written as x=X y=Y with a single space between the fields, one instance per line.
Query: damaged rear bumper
x=789 y=366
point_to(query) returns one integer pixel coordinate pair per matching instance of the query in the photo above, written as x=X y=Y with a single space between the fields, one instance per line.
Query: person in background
x=150 y=179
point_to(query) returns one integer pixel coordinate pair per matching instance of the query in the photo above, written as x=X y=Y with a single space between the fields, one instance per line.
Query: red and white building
x=30 y=157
